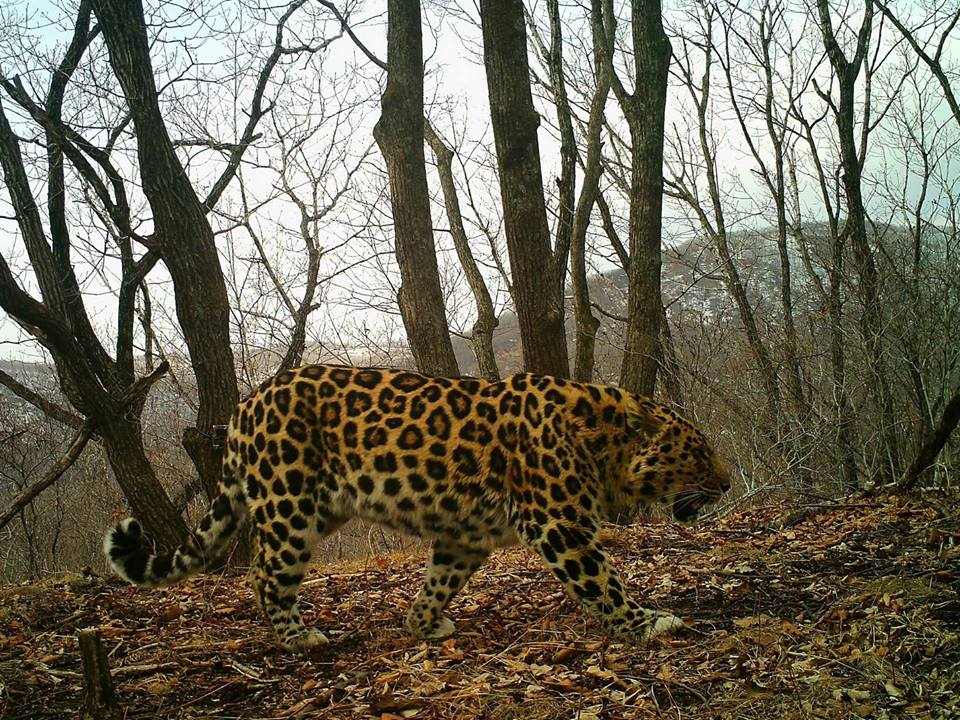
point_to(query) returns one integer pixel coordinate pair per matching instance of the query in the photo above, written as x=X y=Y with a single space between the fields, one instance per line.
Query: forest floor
x=852 y=611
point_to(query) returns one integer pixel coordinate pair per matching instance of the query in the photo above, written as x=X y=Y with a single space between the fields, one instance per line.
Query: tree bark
x=534 y=266
x=838 y=365
x=123 y=442
x=181 y=233
x=100 y=699
x=399 y=133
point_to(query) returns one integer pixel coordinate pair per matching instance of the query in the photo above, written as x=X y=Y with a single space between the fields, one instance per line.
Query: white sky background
x=359 y=300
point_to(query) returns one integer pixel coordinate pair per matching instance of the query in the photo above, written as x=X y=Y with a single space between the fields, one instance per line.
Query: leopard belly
x=480 y=523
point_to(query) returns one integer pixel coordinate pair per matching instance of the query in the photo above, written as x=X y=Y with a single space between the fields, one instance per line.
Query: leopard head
x=673 y=461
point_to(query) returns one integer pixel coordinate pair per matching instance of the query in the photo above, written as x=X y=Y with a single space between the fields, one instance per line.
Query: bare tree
x=482 y=332
x=182 y=235
x=316 y=153
x=768 y=36
x=536 y=269
x=945 y=21
x=710 y=212
x=574 y=211
x=644 y=109
x=831 y=295
x=105 y=390
x=847 y=71
x=399 y=133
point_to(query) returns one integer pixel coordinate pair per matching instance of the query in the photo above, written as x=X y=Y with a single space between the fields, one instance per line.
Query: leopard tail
x=131 y=553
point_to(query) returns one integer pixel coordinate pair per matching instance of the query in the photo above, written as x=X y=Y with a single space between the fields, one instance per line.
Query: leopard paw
x=440 y=628
x=305 y=641
x=660 y=623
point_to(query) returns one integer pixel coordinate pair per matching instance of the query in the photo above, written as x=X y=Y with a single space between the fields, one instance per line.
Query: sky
x=457 y=102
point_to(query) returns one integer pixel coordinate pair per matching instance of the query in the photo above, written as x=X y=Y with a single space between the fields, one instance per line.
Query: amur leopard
x=471 y=464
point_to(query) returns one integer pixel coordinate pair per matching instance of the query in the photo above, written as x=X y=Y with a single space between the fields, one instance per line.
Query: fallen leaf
x=170 y=613
x=892 y=689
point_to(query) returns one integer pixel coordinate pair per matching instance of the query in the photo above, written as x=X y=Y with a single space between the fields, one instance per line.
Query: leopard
x=472 y=465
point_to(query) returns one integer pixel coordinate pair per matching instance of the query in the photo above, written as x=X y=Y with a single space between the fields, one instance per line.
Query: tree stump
x=100 y=701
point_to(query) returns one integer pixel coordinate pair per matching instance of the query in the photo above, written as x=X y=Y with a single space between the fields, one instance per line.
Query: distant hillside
x=691 y=282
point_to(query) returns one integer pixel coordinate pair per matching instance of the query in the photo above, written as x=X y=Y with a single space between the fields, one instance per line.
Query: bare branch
x=345 y=26
x=48 y=407
x=24 y=497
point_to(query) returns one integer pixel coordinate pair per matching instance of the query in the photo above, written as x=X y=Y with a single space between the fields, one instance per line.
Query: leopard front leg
x=449 y=569
x=575 y=557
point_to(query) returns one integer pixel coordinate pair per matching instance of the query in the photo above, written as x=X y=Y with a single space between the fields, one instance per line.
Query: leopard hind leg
x=281 y=560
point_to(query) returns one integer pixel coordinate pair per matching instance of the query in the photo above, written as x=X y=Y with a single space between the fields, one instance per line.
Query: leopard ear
x=644 y=416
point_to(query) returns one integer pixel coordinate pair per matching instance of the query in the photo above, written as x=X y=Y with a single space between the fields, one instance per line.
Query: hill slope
x=851 y=612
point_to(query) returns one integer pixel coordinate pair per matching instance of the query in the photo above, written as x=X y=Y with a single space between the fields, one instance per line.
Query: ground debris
x=852 y=611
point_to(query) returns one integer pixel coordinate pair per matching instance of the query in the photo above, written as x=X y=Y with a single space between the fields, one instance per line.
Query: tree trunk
x=587 y=323
x=182 y=233
x=845 y=424
x=567 y=181
x=670 y=375
x=399 y=133
x=534 y=266
x=832 y=299
x=487 y=321
x=123 y=442
x=88 y=377
x=933 y=445
x=100 y=699
x=645 y=117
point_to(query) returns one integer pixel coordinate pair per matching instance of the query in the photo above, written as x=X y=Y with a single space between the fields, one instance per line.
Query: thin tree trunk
x=399 y=133
x=932 y=447
x=567 y=182
x=587 y=323
x=534 y=266
x=832 y=299
x=670 y=369
x=871 y=321
x=647 y=106
x=482 y=335
x=715 y=228
x=845 y=424
x=734 y=284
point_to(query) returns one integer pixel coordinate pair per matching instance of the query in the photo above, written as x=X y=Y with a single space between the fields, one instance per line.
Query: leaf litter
x=853 y=611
